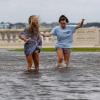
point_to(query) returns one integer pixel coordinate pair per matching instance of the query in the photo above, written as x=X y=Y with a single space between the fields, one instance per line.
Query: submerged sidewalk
x=80 y=82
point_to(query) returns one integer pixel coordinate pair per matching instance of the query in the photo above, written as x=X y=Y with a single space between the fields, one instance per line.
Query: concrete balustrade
x=85 y=37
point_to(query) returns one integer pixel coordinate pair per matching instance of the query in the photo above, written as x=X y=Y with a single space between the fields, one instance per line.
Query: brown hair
x=62 y=18
x=33 y=25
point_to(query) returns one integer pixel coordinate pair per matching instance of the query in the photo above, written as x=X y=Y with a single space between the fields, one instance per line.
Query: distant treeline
x=20 y=25
x=44 y=24
x=94 y=24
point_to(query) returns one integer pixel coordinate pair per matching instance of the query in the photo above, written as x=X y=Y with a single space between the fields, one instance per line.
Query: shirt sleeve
x=54 y=31
x=23 y=32
x=73 y=28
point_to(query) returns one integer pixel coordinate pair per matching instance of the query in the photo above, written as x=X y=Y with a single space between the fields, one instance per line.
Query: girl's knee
x=60 y=59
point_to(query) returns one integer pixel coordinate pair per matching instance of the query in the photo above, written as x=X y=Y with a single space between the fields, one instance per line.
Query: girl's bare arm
x=46 y=34
x=22 y=37
x=79 y=25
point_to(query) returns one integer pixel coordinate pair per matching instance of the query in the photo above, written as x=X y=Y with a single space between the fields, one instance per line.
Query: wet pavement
x=81 y=81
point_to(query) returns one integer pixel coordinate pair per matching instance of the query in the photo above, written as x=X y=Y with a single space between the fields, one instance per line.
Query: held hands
x=43 y=34
x=46 y=34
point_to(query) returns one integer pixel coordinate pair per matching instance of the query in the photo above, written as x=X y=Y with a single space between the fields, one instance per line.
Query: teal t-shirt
x=64 y=36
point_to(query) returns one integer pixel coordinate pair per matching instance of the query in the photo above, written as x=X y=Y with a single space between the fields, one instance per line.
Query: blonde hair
x=34 y=25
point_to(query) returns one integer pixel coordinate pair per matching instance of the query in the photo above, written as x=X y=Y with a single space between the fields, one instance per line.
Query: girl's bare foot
x=32 y=68
x=29 y=69
x=37 y=70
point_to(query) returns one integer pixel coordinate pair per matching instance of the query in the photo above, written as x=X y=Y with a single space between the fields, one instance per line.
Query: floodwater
x=81 y=81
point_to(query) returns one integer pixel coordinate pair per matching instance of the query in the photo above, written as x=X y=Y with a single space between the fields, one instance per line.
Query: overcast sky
x=49 y=10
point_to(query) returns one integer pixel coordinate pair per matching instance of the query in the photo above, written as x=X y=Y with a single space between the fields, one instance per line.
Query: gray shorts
x=65 y=50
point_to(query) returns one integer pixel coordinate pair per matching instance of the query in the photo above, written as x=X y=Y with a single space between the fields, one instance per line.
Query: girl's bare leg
x=60 y=55
x=29 y=61
x=67 y=58
x=36 y=60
